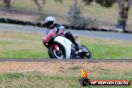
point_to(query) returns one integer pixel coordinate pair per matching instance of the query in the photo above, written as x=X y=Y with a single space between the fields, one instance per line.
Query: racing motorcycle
x=59 y=47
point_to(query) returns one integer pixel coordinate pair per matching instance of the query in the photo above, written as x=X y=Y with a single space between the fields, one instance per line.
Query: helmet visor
x=48 y=24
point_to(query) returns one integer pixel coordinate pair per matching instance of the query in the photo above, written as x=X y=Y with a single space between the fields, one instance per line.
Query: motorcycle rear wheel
x=88 y=55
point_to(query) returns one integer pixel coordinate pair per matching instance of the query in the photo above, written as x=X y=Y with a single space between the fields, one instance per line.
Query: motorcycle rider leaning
x=51 y=25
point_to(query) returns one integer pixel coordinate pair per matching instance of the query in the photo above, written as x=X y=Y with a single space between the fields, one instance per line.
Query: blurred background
x=90 y=13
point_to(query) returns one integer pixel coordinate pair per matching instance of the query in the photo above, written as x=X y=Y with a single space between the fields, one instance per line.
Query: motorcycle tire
x=89 y=56
x=52 y=54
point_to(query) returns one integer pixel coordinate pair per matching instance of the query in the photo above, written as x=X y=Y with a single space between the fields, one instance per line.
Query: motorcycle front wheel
x=60 y=54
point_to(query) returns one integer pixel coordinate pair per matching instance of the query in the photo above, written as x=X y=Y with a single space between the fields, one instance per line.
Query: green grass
x=29 y=45
x=110 y=51
x=25 y=54
x=108 y=48
x=21 y=45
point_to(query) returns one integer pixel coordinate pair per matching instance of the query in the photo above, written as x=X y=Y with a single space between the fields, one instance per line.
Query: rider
x=51 y=24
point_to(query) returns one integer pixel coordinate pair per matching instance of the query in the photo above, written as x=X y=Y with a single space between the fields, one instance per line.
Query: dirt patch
x=57 y=66
x=33 y=16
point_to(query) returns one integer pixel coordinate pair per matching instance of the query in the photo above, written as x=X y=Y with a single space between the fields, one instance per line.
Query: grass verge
x=29 y=45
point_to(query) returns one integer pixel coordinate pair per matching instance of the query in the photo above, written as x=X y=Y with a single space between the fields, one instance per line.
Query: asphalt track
x=67 y=60
x=94 y=34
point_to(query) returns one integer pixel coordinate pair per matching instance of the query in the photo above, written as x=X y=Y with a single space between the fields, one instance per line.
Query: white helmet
x=49 y=19
x=49 y=22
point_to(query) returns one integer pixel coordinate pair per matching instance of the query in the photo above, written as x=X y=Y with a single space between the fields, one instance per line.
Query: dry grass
x=19 y=41
x=106 y=16
x=58 y=74
x=60 y=67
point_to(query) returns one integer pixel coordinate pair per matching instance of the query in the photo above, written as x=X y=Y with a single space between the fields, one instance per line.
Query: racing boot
x=78 y=48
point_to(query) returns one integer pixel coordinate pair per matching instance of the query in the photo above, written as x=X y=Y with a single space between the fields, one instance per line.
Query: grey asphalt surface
x=65 y=60
x=95 y=34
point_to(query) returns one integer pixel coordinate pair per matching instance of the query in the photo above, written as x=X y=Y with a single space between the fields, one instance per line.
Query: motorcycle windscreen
x=84 y=50
x=66 y=44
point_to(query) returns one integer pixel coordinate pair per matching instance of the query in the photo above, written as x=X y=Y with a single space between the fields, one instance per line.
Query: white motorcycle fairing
x=66 y=44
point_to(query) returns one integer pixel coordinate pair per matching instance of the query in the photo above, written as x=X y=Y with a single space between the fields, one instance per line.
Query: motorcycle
x=59 y=47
